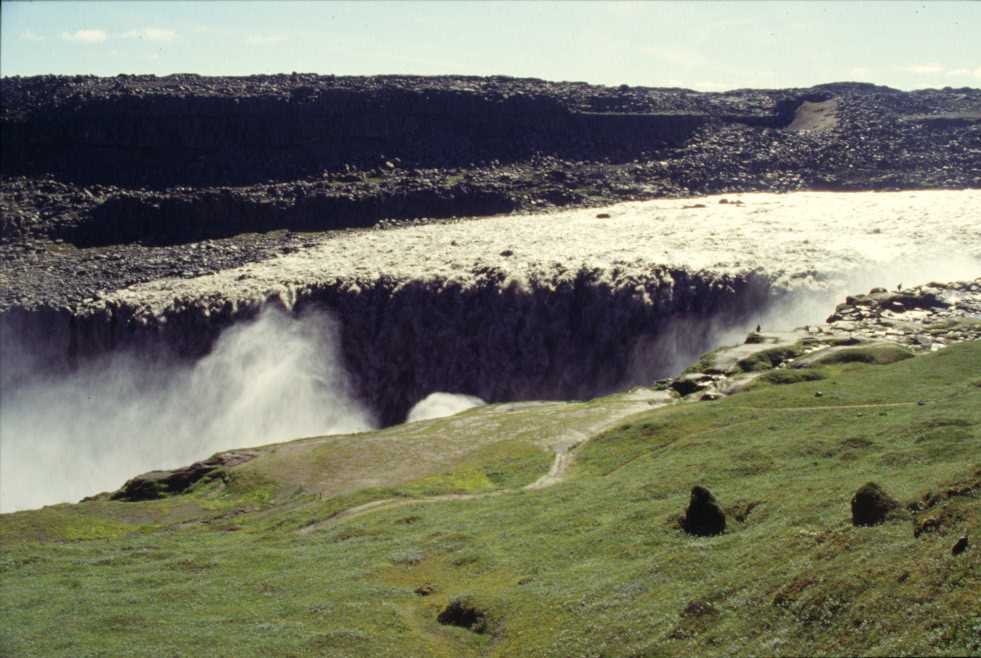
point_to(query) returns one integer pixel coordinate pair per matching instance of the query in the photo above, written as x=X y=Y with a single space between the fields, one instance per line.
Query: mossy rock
x=792 y=376
x=879 y=355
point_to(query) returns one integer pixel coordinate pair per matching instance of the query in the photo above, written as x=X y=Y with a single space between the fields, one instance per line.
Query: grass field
x=258 y=564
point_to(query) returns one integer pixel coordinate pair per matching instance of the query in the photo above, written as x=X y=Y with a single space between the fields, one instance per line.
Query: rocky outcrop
x=160 y=484
x=927 y=316
x=463 y=612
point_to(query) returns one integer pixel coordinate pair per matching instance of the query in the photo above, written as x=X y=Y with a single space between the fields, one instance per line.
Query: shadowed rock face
x=216 y=131
x=402 y=340
x=563 y=305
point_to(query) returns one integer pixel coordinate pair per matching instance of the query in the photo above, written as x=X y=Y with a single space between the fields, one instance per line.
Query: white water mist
x=440 y=405
x=271 y=379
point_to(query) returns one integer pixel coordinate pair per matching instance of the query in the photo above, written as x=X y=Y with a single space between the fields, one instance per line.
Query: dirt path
x=564 y=458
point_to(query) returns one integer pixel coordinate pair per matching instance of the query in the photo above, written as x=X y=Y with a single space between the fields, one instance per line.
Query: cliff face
x=131 y=138
x=174 y=219
x=566 y=339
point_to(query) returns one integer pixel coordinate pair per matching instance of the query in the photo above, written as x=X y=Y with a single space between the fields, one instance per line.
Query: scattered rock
x=960 y=546
x=425 y=590
x=871 y=505
x=704 y=516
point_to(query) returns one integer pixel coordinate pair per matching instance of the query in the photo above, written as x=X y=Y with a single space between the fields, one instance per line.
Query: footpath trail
x=559 y=469
x=565 y=456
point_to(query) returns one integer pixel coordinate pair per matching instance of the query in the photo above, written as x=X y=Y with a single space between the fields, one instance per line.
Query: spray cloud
x=274 y=378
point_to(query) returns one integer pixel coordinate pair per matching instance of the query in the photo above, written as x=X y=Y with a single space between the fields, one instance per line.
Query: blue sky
x=701 y=45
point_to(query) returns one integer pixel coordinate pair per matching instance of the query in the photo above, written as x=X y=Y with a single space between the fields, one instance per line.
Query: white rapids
x=810 y=240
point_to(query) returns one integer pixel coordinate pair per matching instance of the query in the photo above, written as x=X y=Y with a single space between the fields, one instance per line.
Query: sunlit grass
x=595 y=566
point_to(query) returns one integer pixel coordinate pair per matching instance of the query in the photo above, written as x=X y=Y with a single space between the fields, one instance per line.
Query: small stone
x=960 y=546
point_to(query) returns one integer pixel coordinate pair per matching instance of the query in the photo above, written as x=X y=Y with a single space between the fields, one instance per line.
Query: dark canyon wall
x=576 y=338
x=163 y=140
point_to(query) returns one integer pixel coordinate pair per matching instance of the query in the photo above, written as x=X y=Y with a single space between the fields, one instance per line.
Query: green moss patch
x=874 y=355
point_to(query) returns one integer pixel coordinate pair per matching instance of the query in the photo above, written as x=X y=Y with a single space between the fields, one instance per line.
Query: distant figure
x=757 y=328
x=899 y=287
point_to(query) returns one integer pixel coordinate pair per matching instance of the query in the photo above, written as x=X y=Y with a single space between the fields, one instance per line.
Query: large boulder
x=871 y=505
x=704 y=516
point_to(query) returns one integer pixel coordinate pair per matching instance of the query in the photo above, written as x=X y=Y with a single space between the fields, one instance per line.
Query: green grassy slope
x=594 y=566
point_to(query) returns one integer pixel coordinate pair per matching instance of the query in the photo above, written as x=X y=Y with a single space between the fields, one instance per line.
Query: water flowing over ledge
x=566 y=305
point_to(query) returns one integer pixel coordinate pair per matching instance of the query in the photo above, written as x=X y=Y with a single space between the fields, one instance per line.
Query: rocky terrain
x=107 y=182
x=879 y=327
